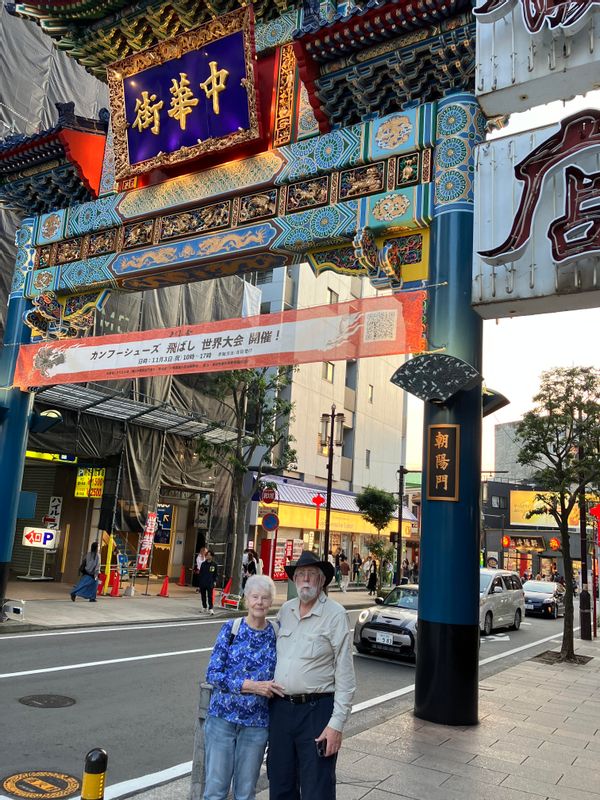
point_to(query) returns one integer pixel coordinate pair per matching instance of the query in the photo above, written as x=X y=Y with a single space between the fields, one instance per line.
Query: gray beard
x=308 y=593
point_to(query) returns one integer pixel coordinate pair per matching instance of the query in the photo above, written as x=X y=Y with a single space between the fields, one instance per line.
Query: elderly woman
x=89 y=569
x=241 y=670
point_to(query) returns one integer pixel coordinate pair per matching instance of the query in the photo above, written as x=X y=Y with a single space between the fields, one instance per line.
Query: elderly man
x=315 y=668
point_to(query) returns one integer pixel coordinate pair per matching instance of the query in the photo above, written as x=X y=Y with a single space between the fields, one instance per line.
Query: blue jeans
x=232 y=751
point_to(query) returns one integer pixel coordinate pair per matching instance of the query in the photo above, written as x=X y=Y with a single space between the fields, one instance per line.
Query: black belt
x=299 y=699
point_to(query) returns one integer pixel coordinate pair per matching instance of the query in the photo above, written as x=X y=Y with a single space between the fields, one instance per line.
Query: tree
x=561 y=440
x=257 y=404
x=377 y=506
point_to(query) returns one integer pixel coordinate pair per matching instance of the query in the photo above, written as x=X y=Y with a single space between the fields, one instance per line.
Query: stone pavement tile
x=435 y=734
x=588 y=760
x=475 y=742
x=474 y=790
x=593 y=746
x=496 y=725
x=550 y=720
x=583 y=726
x=378 y=794
x=523 y=747
x=368 y=770
x=547 y=789
x=531 y=768
x=400 y=749
x=470 y=770
x=570 y=737
x=586 y=779
x=406 y=773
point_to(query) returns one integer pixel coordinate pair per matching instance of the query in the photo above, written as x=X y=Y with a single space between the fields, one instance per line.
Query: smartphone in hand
x=321 y=748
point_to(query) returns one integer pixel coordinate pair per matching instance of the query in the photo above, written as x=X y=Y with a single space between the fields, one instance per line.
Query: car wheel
x=555 y=611
x=488 y=624
x=517 y=623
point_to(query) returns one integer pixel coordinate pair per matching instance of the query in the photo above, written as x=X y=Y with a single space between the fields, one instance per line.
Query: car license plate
x=384 y=638
x=529 y=606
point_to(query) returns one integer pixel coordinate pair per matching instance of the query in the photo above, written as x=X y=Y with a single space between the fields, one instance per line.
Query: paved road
x=135 y=692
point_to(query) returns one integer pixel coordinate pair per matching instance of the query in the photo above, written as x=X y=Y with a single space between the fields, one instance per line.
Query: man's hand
x=263 y=688
x=333 y=739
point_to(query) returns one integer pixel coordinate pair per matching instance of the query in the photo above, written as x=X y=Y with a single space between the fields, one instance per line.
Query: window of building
x=499 y=502
x=266 y=276
x=265 y=308
x=368 y=459
x=370 y=393
x=328 y=371
x=332 y=297
x=351 y=374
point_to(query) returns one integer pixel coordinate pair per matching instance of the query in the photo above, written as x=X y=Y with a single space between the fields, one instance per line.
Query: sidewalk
x=538 y=738
x=48 y=605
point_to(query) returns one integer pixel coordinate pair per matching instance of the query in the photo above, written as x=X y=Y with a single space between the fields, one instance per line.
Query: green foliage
x=255 y=403
x=376 y=506
x=560 y=441
x=381 y=549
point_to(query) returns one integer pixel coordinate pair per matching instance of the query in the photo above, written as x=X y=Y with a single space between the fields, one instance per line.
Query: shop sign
x=189 y=96
x=522 y=503
x=164 y=522
x=43 y=538
x=97 y=482
x=531 y=52
x=52 y=518
x=547 y=245
x=203 y=506
x=279 y=573
x=527 y=544
x=82 y=482
x=443 y=445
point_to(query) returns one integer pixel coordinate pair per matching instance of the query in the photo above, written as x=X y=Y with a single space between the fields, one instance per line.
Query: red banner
x=375 y=326
x=147 y=541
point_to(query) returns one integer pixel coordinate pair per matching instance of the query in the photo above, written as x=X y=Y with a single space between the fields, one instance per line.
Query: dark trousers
x=207 y=597
x=294 y=767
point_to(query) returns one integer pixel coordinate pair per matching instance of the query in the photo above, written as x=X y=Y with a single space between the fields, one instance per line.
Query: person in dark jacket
x=206 y=581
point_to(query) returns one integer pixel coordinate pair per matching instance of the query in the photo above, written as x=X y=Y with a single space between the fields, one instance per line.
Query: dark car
x=391 y=626
x=544 y=598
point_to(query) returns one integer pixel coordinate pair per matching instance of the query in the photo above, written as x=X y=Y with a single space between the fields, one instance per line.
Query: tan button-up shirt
x=314 y=654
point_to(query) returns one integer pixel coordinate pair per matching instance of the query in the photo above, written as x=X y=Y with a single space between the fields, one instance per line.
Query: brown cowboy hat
x=308 y=559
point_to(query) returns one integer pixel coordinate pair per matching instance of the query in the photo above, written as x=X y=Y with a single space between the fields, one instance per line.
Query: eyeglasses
x=306 y=574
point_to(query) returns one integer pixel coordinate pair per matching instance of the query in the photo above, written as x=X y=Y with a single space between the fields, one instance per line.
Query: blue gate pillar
x=15 y=406
x=446 y=688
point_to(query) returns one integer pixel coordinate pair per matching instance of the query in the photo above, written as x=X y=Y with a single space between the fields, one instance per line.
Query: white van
x=501 y=600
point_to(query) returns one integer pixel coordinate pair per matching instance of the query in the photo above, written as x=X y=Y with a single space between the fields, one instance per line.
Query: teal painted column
x=15 y=405
x=446 y=687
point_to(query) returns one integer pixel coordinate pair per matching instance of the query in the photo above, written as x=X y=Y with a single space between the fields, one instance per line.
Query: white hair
x=258 y=582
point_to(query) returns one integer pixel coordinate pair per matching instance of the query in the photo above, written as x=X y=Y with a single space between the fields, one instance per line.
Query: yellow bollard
x=94 y=775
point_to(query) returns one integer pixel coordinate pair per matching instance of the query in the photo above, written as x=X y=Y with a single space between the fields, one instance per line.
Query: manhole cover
x=41 y=784
x=553 y=657
x=47 y=701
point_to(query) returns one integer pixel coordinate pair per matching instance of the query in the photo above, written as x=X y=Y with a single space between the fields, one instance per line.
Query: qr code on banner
x=380 y=326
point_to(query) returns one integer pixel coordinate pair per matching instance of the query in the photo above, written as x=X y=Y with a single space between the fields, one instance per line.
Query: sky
x=517 y=350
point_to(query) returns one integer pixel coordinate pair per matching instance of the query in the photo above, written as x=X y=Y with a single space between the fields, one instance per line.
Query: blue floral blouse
x=251 y=656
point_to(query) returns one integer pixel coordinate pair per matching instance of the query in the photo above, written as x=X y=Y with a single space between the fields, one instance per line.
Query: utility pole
x=585 y=616
x=329 y=479
x=402 y=471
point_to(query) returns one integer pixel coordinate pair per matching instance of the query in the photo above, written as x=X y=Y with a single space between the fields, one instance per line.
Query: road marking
x=86 y=664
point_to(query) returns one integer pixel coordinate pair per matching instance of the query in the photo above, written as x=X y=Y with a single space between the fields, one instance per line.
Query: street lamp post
x=331 y=433
x=401 y=472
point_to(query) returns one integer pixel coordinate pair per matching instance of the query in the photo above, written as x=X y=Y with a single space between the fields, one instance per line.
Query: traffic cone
x=225 y=592
x=164 y=592
x=101 y=579
x=181 y=581
x=114 y=592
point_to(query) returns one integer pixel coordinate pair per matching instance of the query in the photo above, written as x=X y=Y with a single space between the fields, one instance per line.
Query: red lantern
x=554 y=543
x=506 y=541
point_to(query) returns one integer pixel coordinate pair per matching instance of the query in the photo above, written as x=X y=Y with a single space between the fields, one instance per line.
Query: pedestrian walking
x=372 y=579
x=87 y=587
x=241 y=670
x=315 y=669
x=207 y=580
x=344 y=574
x=200 y=557
x=250 y=568
x=356 y=565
